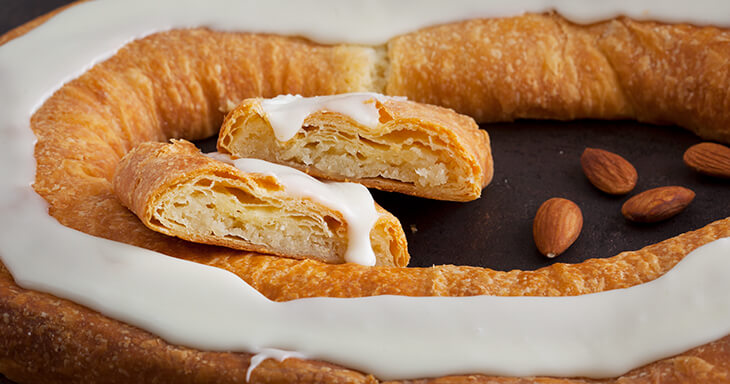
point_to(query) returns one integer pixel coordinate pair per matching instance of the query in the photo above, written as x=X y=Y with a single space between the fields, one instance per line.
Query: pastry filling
x=304 y=135
x=401 y=155
x=352 y=201
x=273 y=223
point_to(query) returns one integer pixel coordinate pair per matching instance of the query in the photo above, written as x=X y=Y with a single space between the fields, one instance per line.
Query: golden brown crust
x=284 y=279
x=178 y=83
x=50 y=340
x=494 y=70
x=59 y=328
x=454 y=139
x=151 y=169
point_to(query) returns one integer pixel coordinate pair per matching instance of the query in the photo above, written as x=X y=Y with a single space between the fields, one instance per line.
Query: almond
x=556 y=226
x=608 y=171
x=657 y=204
x=709 y=158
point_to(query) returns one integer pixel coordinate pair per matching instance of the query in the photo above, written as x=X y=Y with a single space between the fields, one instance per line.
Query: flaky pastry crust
x=177 y=84
x=419 y=149
x=170 y=186
x=495 y=70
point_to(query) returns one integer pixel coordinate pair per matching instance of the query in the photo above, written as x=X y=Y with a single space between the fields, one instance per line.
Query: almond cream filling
x=597 y=335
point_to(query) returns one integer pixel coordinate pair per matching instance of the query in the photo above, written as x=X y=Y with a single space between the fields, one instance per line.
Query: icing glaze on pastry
x=352 y=200
x=270 y=353
x=286 y=113
x=596 y=335
x=382 y=142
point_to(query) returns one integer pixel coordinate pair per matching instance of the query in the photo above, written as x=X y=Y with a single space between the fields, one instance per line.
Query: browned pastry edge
x=465 y=142
x=151 y=168
x=175 y=85
x=493 y=71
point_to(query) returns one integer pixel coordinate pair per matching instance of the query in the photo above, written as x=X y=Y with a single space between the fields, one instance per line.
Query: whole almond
x=709 y=158
x=608 y=171
x=556 y=226
x=657 y=204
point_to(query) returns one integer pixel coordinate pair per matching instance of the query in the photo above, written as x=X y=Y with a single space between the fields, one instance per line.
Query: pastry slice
x=382 y=142
x=176 y=190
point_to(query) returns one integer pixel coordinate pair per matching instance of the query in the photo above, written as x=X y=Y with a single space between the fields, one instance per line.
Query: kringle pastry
x=422 y=150
x=179 y=84
x=493 y=70
x=176 y=190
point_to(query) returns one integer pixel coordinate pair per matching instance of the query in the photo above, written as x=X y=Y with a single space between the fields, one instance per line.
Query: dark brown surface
x=533 y=162
x=17 y=12
x=537 y=160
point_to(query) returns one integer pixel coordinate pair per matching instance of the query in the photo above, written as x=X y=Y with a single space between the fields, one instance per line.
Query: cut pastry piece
x=176 y=190
x=382 y=142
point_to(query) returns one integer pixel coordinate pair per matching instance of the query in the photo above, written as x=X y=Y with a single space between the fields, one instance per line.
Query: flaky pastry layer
x=418 y=149
x=176 y=84
x=545 y=67
x=176 y=190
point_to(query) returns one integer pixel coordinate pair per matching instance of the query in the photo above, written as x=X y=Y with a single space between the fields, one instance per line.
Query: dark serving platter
x=534 y=161
x=537 y=160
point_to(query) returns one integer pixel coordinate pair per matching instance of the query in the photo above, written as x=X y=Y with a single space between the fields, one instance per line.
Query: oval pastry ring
x=88 y=124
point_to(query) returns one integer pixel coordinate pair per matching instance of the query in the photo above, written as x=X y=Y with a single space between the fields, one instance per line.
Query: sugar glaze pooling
x=597 y=335
x=286 y=113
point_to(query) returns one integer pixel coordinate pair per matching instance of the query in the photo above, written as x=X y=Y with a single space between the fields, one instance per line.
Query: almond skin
x=557 y=224
x=608 y=171
x=709 y=158
x=657 y=204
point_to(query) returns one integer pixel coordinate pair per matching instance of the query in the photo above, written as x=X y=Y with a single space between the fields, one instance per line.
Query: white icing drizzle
x=597 y=335
x=286 y=113
x=270 y=353
x=352 y=200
